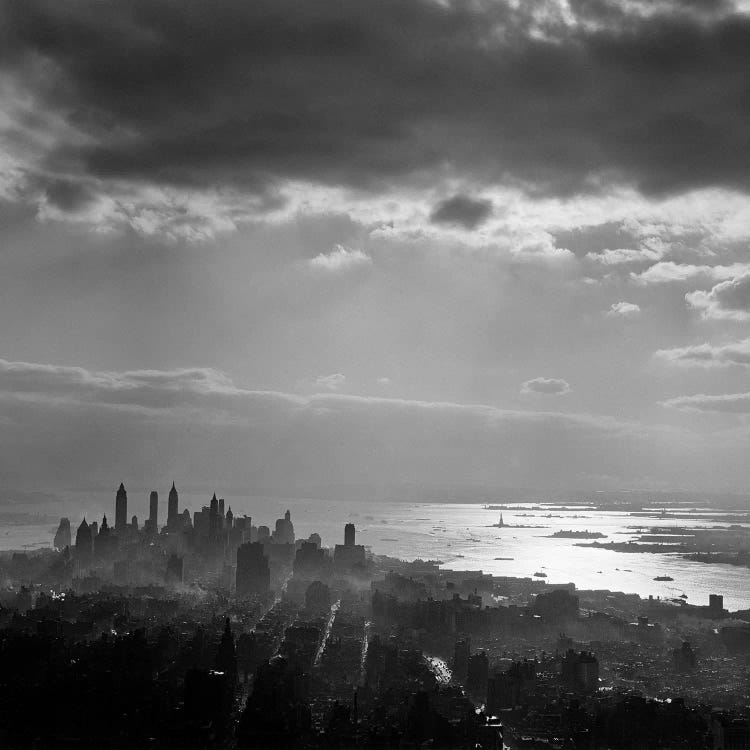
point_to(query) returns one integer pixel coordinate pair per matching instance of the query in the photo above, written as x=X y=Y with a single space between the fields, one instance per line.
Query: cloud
x=68 y=196
x=708 y=355
x=624 y=310
x=670 y=272
x=732 y=403
x=333 y=382
x=729 y=300
x=340 y=259
x=550 y=386
x=249 y=96
x=460 y=210
x=650 y=250
x=95 y=427
x=139 y=389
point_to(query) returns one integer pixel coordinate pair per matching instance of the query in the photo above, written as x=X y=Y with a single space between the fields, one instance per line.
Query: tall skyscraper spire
x=172 y=511
x=121 y=509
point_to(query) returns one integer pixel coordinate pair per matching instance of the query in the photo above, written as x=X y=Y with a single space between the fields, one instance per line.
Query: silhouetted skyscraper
x=716 y=604
x=253 y=571
x=461 y=654
x=121 y=508
x=175 y=569
x=214 y=522
x=226 y=656
x=349 y=535
x=153 y=509
x=284 y=531
x=581 y=670
x=105 y=543
x=478 y=672
x=84 y=543
x=172 y=502
x=348 y=556
x=62 y=536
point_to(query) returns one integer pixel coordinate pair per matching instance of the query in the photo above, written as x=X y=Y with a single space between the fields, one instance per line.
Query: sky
x=374 y=249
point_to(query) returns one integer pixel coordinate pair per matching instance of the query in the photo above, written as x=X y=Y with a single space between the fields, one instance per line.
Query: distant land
x=633 y=500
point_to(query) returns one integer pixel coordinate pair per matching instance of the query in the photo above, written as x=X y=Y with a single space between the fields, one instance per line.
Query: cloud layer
x=708 y=355
x=731 y=403
x=556 y=96
x=91 y=427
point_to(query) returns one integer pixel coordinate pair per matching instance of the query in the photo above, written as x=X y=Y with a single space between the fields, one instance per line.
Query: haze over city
x=287 y=247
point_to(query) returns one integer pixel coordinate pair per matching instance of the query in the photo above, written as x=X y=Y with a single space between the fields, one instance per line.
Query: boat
x=664 y=578
x=540 y=574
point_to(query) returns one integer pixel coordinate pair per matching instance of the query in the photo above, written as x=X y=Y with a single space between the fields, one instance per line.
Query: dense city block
x=211 y=631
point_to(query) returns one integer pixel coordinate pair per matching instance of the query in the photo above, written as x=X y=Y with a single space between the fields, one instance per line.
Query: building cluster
x=211 y=632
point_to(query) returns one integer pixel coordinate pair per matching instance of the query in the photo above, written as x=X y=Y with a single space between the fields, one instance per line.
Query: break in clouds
x=464 y=243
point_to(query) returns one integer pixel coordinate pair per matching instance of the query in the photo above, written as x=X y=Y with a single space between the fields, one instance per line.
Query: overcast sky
x=290 y=246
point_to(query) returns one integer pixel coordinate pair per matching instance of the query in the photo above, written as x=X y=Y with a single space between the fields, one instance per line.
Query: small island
x=502 y=525
x=573 y=534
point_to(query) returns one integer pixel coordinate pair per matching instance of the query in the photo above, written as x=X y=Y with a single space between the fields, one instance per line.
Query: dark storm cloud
x=460 y=210
x=67 y=196
x=362 y=93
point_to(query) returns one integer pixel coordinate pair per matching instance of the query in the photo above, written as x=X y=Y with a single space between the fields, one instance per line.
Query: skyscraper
x=253 y=571
x=84 y=543
x=214 y=523
x=349 y=535
x=175 y=568
x=284 y=531
x=172 y=513
x=121 y=509
x=62 y=537
x=349 y=556
x=226 y=655
x=153 y=509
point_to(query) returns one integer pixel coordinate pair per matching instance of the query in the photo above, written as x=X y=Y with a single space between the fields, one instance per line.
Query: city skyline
x=460 y=247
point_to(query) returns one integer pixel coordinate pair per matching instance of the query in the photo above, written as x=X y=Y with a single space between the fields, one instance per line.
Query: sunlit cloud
x=708 y=355
x=623 y=310
x=340 y=259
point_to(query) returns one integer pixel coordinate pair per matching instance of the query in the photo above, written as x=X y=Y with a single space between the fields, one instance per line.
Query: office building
x=121 y=508
x=253 y=572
